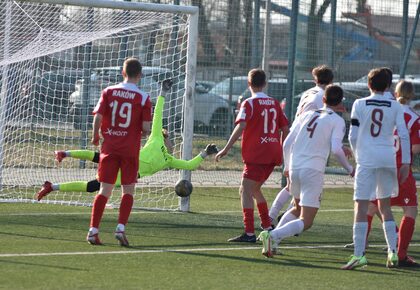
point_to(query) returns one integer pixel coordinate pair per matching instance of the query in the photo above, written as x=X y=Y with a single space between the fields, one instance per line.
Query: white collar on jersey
x=260 y=95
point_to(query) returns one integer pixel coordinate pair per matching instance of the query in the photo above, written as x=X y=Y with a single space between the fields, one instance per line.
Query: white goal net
x=55 y=58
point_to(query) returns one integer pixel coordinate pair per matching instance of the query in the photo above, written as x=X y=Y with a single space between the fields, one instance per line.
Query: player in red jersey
x=407 y=191
x=122 y=114
x=263 y=127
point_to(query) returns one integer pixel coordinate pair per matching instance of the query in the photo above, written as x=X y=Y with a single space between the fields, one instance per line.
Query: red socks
x=248 y=214
x=97 y=210
x=125 y=208
x=404 y=236
x=263 y=213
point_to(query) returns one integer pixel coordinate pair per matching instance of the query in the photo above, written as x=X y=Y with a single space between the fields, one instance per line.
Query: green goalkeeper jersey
x=154 y=155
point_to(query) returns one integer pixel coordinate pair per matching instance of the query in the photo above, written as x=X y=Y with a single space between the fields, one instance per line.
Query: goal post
x=55 y=58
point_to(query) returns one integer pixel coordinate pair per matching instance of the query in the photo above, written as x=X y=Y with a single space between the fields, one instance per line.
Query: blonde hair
x=404 y=91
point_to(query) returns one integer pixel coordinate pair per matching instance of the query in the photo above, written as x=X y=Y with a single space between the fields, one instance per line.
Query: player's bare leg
x=98 y=208
x=125 y=210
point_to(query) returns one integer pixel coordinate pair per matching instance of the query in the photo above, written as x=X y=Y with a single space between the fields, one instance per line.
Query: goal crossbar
x=165 y=8
x=8 y=68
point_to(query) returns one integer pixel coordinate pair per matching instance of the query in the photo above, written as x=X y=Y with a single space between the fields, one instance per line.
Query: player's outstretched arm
x=237 y=132
x=196 y=161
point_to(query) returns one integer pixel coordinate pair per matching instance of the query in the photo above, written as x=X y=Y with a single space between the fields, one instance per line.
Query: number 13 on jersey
x=267 y=114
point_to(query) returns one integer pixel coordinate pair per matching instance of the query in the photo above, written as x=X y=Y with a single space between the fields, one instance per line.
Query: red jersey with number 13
x=261 y=140
x=124 y=107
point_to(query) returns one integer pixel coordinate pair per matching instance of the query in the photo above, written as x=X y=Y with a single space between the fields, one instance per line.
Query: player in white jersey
x=310 y=100
x=324 y=130
x=373 y=121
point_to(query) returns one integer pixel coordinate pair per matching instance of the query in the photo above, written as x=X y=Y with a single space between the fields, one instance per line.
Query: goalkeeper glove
x=211 y=149
x=165 y=87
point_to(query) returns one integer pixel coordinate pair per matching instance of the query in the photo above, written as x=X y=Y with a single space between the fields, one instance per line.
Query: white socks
x=290 y=229
x=281 y=198
x=359 y=237
x=390 y=235
x=287 y=217
x=120 y=228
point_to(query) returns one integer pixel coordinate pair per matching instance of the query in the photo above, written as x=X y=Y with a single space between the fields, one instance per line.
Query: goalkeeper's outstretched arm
x=158 y=111
x=196 y=161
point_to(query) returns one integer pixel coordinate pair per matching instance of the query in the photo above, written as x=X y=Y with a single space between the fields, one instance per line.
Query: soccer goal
x=55 y=58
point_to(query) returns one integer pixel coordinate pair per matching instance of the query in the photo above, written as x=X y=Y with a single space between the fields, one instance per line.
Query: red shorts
x=407 y=193
x=257 y=172
x=110 y=164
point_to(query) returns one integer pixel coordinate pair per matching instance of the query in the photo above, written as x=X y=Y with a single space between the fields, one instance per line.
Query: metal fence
x=289 y=38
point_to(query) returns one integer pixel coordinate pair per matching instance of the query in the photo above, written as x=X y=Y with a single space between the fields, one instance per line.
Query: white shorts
x=306 y=185
x=375 y=183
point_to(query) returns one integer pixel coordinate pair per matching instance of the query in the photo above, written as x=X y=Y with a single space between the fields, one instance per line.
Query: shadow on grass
x=2 y=261
x=279 y=262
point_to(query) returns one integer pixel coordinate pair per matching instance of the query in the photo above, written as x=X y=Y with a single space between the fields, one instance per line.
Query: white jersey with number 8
x=376 y=117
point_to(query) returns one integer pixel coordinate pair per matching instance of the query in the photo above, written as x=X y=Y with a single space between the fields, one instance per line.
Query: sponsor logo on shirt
x=124 y=94
x=268 y=140
x=111 y=132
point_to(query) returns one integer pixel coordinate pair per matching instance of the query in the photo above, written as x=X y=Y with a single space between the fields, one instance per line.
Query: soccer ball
x=183 y=188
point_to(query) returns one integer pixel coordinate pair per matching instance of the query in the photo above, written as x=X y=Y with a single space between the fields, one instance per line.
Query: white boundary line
x=146 y=212
x=176 y=251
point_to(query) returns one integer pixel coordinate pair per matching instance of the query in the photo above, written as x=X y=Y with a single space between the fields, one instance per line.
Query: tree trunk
x=233 y=43
x=314 y=24
x=205 y=36
x=247 y=54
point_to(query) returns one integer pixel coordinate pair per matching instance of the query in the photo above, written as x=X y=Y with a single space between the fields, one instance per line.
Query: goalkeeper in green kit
x=154 y=156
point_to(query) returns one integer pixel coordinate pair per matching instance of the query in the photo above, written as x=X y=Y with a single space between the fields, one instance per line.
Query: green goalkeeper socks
x=73 y=186
x=81 y=154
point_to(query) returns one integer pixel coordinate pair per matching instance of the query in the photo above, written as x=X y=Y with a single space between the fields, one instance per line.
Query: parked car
x=103 y=77
x=231 y=88
x=211 y=111
x=50 y=91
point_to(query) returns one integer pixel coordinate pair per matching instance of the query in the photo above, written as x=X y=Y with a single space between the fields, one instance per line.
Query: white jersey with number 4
x=314 y=134
x=373 y=121
x=310 y=100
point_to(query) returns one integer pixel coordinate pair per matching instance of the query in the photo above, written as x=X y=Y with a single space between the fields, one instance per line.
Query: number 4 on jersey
x=312 y=126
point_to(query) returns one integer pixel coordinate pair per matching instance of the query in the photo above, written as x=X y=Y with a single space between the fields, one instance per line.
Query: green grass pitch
x=43 y=247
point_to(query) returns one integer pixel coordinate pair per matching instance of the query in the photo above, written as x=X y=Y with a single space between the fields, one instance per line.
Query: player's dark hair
x=333 y=95
x=132 y=67
x=257 y=78
x=323 y=75
x=378 y=79
x=390 y=73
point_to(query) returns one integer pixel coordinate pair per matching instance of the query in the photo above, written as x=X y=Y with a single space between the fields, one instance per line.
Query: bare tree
x=233 y=22
x=361 y=6
x=248 y=33
x=205 y=35
x=314 y=24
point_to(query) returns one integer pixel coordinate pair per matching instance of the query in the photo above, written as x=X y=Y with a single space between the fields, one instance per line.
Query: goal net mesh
x=54 y=62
